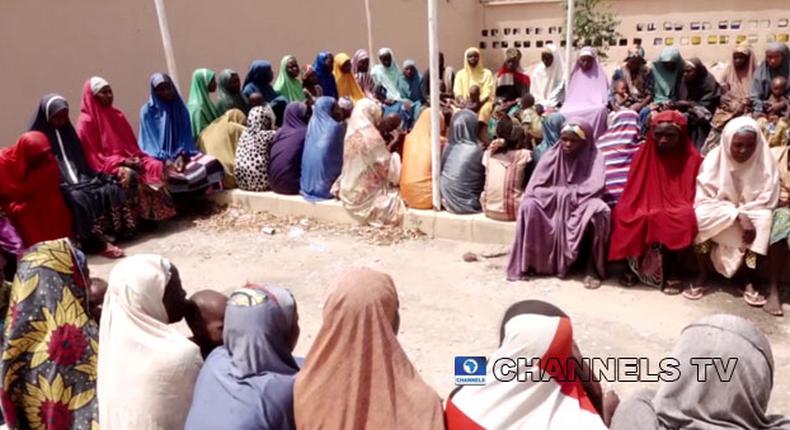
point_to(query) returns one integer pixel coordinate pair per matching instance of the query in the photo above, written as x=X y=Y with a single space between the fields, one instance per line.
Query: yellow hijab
x=477 y=75
x=347 y=85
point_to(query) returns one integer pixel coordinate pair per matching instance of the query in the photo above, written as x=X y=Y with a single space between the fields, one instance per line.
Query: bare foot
x=592 y=282
x=773 y=305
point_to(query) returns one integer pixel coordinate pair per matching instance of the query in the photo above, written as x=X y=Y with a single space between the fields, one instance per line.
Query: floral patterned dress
x=50 y=344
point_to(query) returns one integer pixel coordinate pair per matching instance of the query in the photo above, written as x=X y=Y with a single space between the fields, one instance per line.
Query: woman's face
x=570 y=143
x=234 y=84
x=337 y=113
x=667 y=137
x=363 y=65
x=586 y=63
x=105 y=96
x=175 y=298
x=212 y=85
x=547 y=59
x=329 y=63
x=409 y=72
x=774 y=59
x=689 y=72
x=346 y=67
x=743 y=146
x=511 y=65
x=386 y=60
x=634 y=63
x=473 y=58
x=165 y=91
x=739 y=60
x=59 y=119
x=669 y=65
x=292 y=68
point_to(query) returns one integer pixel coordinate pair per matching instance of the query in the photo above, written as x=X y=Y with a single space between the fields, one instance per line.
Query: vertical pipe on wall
x=167 y=42
x=369 y=18
x=569 y=30
x=436 y=76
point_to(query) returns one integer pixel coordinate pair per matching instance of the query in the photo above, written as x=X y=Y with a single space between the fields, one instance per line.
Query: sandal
x=112 y=252
x=591 y=282
x=628 y=280
x=754 y=299
x=672 y=287
x=694 y=293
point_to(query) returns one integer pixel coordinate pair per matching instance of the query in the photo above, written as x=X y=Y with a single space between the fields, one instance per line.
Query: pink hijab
x=107 y=137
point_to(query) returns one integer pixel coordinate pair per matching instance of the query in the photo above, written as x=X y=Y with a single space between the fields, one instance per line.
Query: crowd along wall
x=50 y=46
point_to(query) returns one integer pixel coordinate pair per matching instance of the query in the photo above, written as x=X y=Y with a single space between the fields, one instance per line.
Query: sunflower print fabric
x=49 y=357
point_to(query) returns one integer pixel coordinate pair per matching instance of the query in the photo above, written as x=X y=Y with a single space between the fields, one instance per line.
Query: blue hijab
x=322 y=159
x=325 y=78
x=165 y=128
x=247 y=384
x=259 y=80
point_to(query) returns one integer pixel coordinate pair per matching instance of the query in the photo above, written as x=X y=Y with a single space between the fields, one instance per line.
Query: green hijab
x=229 y=100
x=202 y=110
x=288 y=87
x=667 y=82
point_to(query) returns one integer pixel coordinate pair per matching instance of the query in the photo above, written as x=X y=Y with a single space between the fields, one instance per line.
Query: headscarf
x=531 y=330
x=322 y=159
x=552 y=126
x=634 y=88
x=288 y=87
x=588 y=93
x=548 y=83
x=410 y=88
x=11 y=241
x=346 y=83
x=740 y=402
x=165 y=127
x=140 y=351
x=761 y=84
x=618 y=146
x=703 y=89
x=50 y=343
x=657 y=205
x=325 y=78
x=364 y=79
x=478 y=75
x=504 y=77
x=220 y=140
x=229 y=100
x=202 y=110
x=287 y=148
x=387 y=77
x=667 y=82
x=253 y=151
x=416 y=180
x=30 y=194
x=314 y=90
x=727 y=189
x=463 y=173
x=259 y=80
x=65 y=142
x=247 y=384
x=739 y=83
x=357 y=375
x=107 y=137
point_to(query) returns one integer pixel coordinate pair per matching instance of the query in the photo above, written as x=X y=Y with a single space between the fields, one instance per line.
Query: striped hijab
x=619 y=145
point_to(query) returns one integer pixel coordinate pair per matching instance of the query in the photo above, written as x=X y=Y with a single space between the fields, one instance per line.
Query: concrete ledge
x=442 y=225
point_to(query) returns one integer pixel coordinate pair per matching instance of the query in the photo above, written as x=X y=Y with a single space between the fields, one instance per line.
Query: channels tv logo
x=470 y=370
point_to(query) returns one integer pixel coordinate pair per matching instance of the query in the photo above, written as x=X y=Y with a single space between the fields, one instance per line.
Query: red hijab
x=657 y=205
x=30 y=190
x=108 y=140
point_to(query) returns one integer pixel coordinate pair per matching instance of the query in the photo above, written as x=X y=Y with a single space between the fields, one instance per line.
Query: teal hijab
x=202 y=110
x=667 y=81
x=228 y=99
x=288 y=87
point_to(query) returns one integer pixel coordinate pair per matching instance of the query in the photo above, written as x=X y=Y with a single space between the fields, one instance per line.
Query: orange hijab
x=356 y=375
x=416 y=181
x=347 y=85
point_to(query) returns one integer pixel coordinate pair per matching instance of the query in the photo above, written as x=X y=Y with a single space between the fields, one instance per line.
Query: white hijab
x=548 y=82
x=146 y=369
x=727 y=189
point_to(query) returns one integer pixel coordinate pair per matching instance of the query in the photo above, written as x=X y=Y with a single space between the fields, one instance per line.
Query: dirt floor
x=448 y=307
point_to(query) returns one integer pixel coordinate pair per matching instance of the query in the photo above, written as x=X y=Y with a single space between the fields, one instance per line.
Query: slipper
x=754 y=299
x=628 y=280
x=112 y=252
x=694 y=293
x=673 y=288
x=591 y=282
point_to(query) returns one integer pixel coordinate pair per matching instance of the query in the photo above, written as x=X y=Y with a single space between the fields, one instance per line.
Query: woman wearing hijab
x=780 y=233
x=310 y=82
x=416 y=179
x=96 y=200
x=287 y=83
x=548 y=78
x=531 y=330
x=371 y=172
x=638 y=80
x=386 y=75
x=446 y=76
x=287 y=147
x=344 y=78
x=474 y=74
x=619 y=145
x=357 y=375
x=220 y=139
x=505 y=162
x=737 y=190
x=322 y=158
x=552 y=126
x=50 y=343
x=253 y=152
x=247 y=384
x=588 y=92
x=699 y=97
x=324 y=67
x=202 y=110
x=409 y=84
x=165 y=134
x=30 y=195
x=111 y=147
x=735 y=86
x=715 y=403
x=777 y=63
x=511 y=81
x=259 y=80
x=360 y=68
x=654 y=222
x=563 y=210
x=229 y=90
x=141 y=351
x=463 y=173
x=667 y=74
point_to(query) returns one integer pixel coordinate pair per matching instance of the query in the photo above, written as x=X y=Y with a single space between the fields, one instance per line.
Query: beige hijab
x=356 y=375
x=147 y=370
x=727 y=189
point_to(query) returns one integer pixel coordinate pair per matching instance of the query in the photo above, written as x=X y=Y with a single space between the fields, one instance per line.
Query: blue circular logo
x=470 y=366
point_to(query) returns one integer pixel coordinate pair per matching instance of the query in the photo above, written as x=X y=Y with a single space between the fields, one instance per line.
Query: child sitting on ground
x=775 y=121
x=529 y=116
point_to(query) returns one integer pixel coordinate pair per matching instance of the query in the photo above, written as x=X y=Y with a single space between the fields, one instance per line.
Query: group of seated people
x=79 y=353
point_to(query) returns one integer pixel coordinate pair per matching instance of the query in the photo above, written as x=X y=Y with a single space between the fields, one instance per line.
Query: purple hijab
x=562 y=198
x=587 y=94
x=285 y=166
x=10 y=241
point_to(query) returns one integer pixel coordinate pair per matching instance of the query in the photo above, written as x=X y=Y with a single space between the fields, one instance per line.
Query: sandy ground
x=448 y=307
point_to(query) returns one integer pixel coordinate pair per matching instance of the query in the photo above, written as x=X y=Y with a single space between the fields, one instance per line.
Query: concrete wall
x=54 y=46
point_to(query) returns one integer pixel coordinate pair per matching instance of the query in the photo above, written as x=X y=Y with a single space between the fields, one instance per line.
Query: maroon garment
x=562 y=199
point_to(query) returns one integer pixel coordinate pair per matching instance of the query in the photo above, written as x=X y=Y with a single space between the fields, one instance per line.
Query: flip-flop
x=112 y=252
x=694 y=293
x=673 y=288
x=628 y=280
x=754 y=299
x=591 y=282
